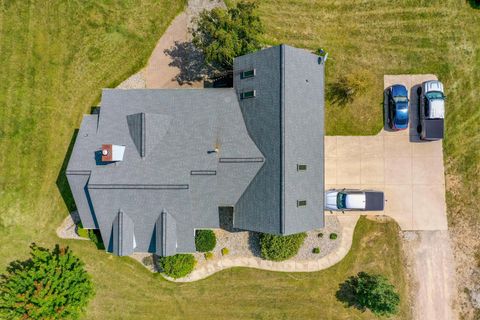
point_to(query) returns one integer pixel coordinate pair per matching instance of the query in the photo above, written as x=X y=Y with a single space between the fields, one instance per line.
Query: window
x=301 y=167
x=248 y=74
x=247 y=94
x=301 y=203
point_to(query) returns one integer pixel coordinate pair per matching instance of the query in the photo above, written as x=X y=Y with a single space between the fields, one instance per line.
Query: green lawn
x=125 y=290
x=57 y=55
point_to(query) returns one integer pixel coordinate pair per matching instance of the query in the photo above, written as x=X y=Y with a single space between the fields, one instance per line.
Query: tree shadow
x=62 y=182
x=475 y=4
x=342 y=91
x=346 y=294
x=191 y=62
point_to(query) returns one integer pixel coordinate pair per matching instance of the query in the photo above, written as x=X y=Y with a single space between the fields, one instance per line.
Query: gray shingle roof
x=187 y=152
x=286 y=122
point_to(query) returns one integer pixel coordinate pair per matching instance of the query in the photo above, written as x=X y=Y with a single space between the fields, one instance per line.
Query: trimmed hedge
x=177 y=266
x=205 y=240
x=279 y=248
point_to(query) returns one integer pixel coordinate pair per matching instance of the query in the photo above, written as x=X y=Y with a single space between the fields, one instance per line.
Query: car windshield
x=341 y=200
x=400 y=99
x=434 y=95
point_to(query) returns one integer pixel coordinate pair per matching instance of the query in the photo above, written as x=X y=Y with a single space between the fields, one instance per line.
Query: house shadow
x=190 y=61
x=62 y=182
x=226 y=223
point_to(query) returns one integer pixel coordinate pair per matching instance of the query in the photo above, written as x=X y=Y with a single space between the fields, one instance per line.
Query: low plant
x=279 y=248
x=333 y=236
x=82 y=232
x=225 y=251
x=96 y=237
x=320 y=235
x=205 y=240
x=148 y=261
x=316 y=250
x=370 y=291
x=177 y=266
x=208 y=255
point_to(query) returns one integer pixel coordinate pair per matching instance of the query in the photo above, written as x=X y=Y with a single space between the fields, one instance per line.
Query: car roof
x=355 y=201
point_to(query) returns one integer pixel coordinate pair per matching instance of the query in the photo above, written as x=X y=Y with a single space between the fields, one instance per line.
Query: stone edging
x=348 y=226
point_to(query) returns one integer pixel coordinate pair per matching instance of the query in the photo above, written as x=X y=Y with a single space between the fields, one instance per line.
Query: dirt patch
x=431 y=269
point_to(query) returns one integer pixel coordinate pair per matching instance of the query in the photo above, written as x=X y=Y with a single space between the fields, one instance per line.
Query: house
x=156 y=164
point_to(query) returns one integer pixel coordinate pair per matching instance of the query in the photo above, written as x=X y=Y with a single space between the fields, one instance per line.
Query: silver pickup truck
x=354 y=200
x=431 y=110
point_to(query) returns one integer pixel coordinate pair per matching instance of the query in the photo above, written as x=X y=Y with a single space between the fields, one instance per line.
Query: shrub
x=96 y=237
x=148 y=261
x=225 y=251
x=177 y=266
x=208 y=255
x=279 y=248
x=82 y=232
x=333 y=236
x=320 y=235
x=49 y=285
x=316 y=250
x=370 y=291
x=205 y=240
x=223 y=34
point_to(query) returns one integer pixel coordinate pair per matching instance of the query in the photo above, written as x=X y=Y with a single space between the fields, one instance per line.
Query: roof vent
x=112 y=152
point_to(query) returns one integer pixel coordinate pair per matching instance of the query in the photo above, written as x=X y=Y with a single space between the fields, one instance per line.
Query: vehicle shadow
x=386 y=126
x=414 y=132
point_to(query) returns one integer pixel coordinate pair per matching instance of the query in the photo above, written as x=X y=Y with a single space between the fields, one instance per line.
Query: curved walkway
x=348 y=227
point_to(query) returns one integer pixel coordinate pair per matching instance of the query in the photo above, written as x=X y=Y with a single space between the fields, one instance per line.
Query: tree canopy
x=49 y=285
x=370 y=291
x=223 y=34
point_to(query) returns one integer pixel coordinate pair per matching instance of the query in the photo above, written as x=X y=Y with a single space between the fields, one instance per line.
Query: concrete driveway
x=410 y=172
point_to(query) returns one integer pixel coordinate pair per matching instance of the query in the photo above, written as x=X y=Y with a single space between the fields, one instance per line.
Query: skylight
x=248 y=74
x=247 y=94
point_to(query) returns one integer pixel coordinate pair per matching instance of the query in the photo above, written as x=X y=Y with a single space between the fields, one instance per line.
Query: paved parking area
x=409 y=171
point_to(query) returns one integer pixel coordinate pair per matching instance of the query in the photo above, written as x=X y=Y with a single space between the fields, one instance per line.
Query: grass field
x=126 y=290
x=56 y=56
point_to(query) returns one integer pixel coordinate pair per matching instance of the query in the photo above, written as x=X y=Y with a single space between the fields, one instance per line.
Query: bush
x=177 y=266
x=320 y=235
x=333 y=236
x=205 y=240
x=208 y=255
x=370 y=291
x=316 y=250
x=223 y=34
x=148 y=261
x=49 y=285
x=82 y=232
x=225 y=251
x=279 y=248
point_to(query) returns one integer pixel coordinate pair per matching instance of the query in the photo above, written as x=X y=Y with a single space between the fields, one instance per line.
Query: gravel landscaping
x=246 y=244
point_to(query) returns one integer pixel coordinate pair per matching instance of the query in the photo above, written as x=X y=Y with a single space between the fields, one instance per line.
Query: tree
x=223 y=34
x=370 y=291
x=49 y=285
x=279 y=248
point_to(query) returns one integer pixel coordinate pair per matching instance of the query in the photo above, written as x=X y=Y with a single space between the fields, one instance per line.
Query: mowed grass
x=368 y=39
x=126 y=290
x=55 y=57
